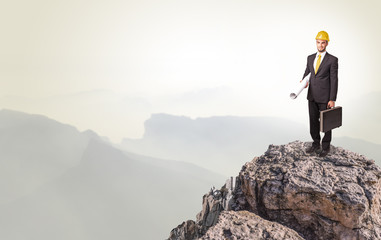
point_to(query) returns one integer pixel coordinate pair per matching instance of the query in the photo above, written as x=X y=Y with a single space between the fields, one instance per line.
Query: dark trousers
x=314 y=109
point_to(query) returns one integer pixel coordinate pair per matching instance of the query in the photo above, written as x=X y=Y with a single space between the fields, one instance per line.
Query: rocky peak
x=336 y=197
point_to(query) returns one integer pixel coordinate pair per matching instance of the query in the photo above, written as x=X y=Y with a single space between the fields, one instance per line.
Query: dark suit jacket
x=323 y=86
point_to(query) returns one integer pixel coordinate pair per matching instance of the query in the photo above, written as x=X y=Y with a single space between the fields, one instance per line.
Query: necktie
x=318 y=64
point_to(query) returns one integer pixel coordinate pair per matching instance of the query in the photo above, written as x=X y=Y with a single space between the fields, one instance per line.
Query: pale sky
x=108 y=65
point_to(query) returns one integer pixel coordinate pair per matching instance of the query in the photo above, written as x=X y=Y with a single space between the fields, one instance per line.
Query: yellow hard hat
x=322 y=35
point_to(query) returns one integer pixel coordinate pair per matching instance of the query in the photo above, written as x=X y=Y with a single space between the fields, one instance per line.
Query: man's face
x=321 y=45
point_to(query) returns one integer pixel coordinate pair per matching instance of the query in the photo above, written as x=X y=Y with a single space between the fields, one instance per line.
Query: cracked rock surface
x=247 y=225
x=336 y=197
x=213 y=203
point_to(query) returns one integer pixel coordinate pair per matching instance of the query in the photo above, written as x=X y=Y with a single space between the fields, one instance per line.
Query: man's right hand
x=306 y=84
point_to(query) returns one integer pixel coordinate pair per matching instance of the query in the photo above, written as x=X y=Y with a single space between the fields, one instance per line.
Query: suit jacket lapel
x=325 y=59
x=312 y=63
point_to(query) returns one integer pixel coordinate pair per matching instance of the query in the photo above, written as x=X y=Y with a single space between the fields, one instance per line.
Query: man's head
x=322 y=40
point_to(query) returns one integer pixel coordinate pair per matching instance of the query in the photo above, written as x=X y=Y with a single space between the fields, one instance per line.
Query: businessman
x=322 y=91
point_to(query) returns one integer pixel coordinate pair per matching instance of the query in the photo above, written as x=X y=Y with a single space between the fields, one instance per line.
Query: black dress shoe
x=324 y=152
x=312 y=149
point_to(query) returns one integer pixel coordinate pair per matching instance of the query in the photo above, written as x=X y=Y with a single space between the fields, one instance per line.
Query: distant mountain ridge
x=223 y=143
x=220 y=143
x=59 y=183
x=33 y=150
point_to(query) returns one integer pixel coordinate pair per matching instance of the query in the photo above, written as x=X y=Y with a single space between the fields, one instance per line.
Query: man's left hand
x=331 y=104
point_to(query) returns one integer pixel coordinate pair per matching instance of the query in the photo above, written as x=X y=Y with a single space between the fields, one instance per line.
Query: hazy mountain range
x=225 y=143
x=219 y=143
x=58 y=183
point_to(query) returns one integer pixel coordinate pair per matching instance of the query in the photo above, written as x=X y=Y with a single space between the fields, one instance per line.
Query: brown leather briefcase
x=331 y=118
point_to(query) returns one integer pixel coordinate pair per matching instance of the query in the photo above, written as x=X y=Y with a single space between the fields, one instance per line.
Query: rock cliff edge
x=289 y=194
